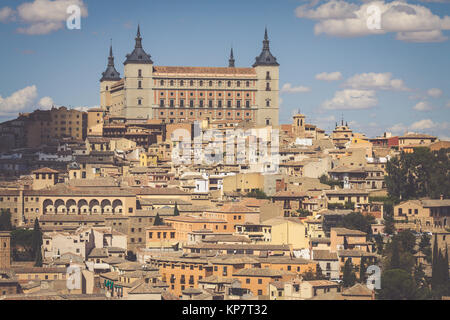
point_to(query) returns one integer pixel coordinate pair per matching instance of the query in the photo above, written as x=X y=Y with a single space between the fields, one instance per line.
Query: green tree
x=379 y=243
x=37 y=244
x=349 y=277
x=397 y=257
x=5 y=220
x=419 y=275
x=324 y=179
x=407 y=240
x=362 y=271
x=176 y=212
x=258 y=194
x=357 y=221
x=425 y=247
x=397 y=284
x=389 y=227
x=419 y=174
x=349 y=205
x=158 y=221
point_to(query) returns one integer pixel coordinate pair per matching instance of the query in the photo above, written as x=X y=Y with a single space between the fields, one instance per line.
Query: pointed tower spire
x=231 y=60
x=266 y=58
x=138 y=55
x=138 y=38
x=111 y=56
x=110 y=73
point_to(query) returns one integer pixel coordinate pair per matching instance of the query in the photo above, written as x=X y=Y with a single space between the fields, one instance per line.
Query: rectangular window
x=247 y=103
x=181 y=103
x=238 y=103
x=201 y=103
x=191 y=103
x=161 y=103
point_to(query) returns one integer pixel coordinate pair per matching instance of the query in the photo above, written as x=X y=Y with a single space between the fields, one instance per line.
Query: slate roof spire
x=138 y=55
x=266 y=58
x=231 y=60
x=110 y=73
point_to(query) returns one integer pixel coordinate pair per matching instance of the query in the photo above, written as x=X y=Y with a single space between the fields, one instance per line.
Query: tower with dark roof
x=265 y=58
x=267 y=71
x=109 y=78
x=138 y=70
x=231 y=60
x=110 y=73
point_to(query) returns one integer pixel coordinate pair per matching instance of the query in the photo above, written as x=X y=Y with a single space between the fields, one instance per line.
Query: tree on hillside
x=349 y=277
x=362 y=271
x=324 y=179
x=5 y=220
x=419 y=174
x=379 y=243
x=397 y=284
x=37 y=244
x=397 y=257
x=440 y=284
x=357 y=221
x=258 y=194
x=425 y=247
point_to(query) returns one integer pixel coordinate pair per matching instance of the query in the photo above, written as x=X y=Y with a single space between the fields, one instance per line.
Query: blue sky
x=397 y=80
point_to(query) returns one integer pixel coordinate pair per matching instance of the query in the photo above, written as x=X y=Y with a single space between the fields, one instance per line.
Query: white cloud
x=280 y=101
x=351 y=99
x=85 y=109
x=288 y=88
x=43 y=16
x=434 y=92
x=375 y=81
x=423 y=106
x=399 y=128
x=6 y=14
x=19 y=100
x=46 y=103
x=332 y=76
x=411 y=22
x=423 y=124
x=440 y=129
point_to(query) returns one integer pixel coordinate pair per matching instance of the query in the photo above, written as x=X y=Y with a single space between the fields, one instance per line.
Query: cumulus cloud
x=6 y=14
x=423 y=106
x=422 y=124
x=434 y=92
x=332 y=76
x=410 y=22
x=351 y=99
x=46 y=103
x=425 y=125
x=288 y=88
x=398 y=128
x=42 y=16
x=18 y=101
x=375 y=81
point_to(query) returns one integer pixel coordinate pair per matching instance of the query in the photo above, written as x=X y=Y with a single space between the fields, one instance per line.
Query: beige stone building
x=177 y=94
